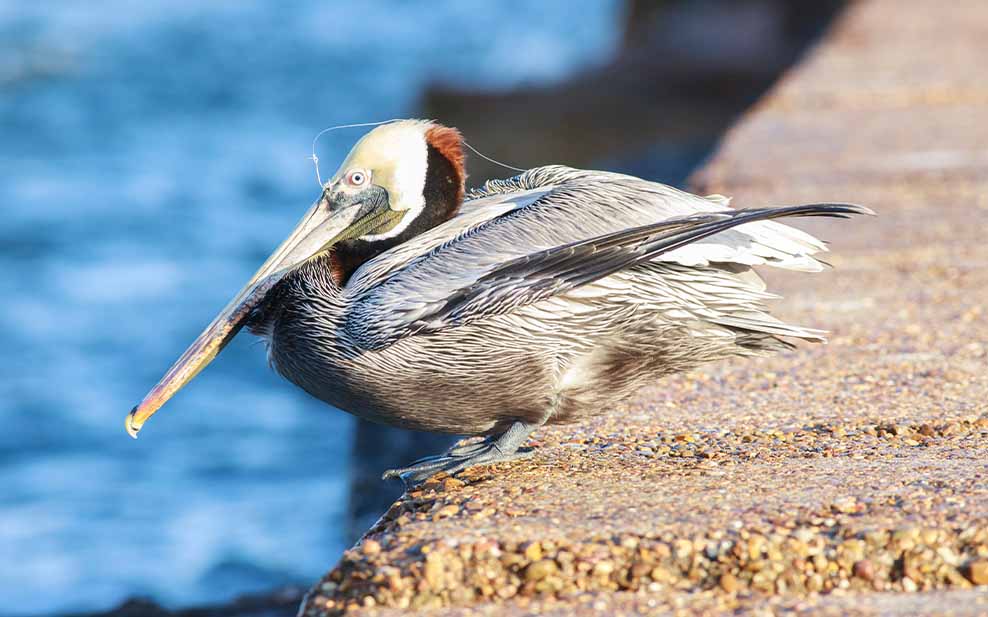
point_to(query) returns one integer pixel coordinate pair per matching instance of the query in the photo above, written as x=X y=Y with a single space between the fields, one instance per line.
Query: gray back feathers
x=553 y=229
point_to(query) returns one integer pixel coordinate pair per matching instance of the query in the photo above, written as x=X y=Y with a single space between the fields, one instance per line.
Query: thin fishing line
x=315 y=140
x=490 y=160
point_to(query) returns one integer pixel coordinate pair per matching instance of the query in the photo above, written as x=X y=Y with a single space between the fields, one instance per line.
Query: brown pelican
x=540 y=299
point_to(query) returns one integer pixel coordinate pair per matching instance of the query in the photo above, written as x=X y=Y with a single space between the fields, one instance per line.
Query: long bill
x=318 y=230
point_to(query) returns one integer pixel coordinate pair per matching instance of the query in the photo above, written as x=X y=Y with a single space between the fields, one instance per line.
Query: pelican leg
x=495 y=449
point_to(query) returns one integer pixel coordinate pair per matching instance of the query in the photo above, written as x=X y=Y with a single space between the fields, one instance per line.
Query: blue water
x=151 y=154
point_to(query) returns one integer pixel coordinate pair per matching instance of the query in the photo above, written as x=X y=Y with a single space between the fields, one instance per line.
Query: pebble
x=434 y=570
x=864 y=569
x=370 y=547
x=660 y=574
x=728 y=582
x=447 y=511
x=978 y=572
x=452 y=484
x=533 y=552
x=541 y=569
x=847 y=505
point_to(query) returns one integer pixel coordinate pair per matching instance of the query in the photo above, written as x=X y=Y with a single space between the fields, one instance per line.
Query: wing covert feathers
x=554 y=229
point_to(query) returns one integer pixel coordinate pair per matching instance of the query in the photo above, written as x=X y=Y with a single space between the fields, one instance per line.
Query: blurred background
x=151 y=156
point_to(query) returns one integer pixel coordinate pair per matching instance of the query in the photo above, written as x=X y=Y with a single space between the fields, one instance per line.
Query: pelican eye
x=357 y=177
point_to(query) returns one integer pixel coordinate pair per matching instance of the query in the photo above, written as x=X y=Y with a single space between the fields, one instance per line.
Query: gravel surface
x=805 y=483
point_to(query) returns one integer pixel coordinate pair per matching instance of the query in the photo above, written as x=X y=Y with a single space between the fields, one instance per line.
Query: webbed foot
x=497 y=449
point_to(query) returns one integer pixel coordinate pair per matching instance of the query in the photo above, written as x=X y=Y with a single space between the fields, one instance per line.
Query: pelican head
x=400 y=179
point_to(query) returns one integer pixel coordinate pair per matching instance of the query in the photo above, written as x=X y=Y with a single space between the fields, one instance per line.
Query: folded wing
x=555 y=229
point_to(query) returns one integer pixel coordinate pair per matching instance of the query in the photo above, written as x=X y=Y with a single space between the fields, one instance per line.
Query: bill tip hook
x=132 y=427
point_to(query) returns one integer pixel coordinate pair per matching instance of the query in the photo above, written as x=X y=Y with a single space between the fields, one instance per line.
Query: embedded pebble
x=978 y=571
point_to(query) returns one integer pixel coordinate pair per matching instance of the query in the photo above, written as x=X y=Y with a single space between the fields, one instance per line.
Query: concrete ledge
x=808 y=481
